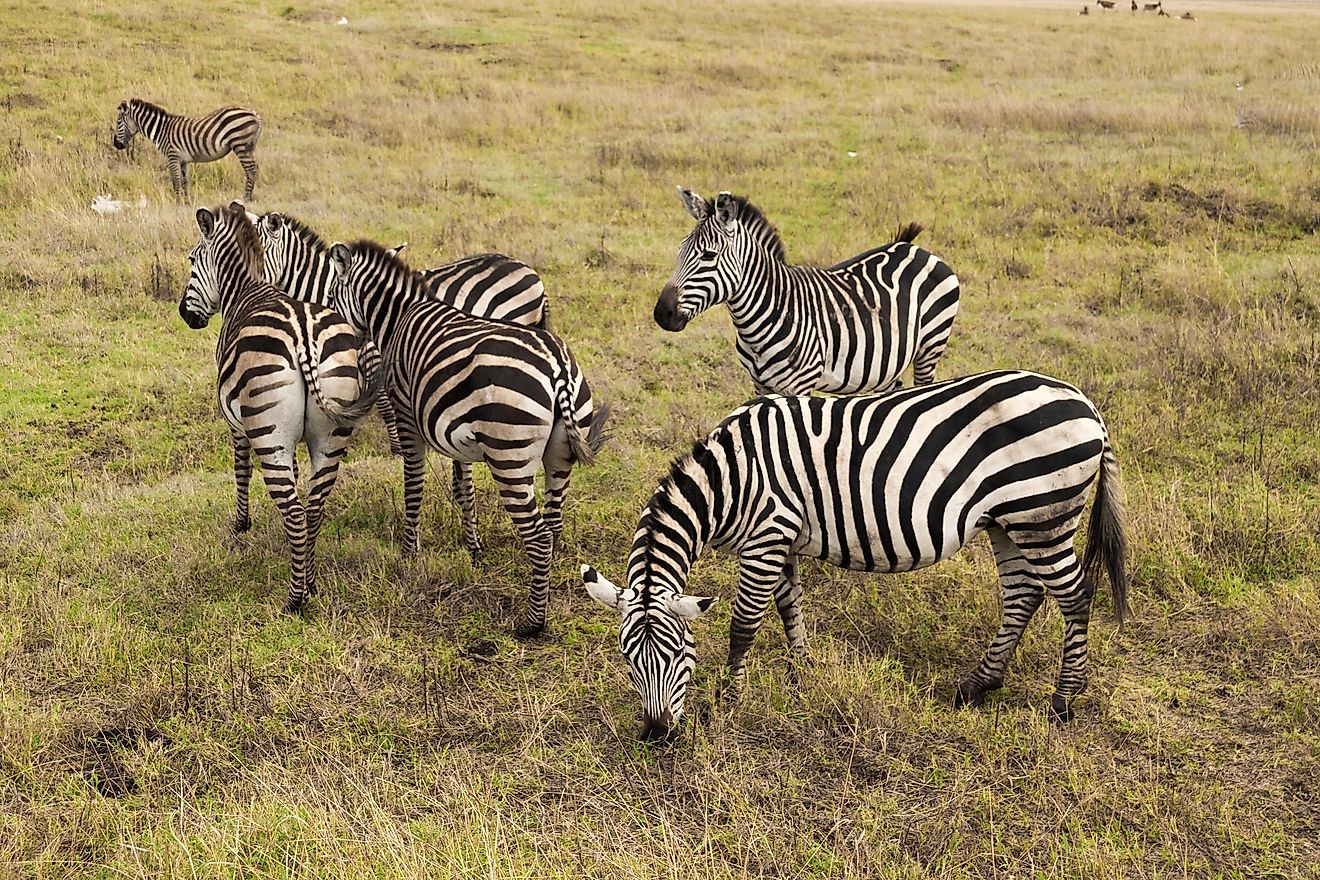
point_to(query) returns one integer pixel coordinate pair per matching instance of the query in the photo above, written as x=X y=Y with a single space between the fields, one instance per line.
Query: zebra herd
x=460 y=359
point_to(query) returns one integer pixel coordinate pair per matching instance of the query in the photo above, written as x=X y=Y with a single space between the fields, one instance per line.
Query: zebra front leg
x=761 y=567
x=1022 y=594
x=176 y=178
x=466 y=498
x=242 y=480
x=518 y=495
x=788 y=601
x=386 y=410
x=247 y=158
x=414 y=478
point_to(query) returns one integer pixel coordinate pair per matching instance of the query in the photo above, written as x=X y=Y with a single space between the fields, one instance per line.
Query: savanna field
x=1120 y=215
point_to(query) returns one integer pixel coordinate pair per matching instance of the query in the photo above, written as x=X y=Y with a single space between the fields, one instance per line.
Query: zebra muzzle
x=667 y=314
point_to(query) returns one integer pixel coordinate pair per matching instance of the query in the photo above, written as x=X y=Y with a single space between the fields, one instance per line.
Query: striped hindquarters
x=207 y=138
x=491 y=286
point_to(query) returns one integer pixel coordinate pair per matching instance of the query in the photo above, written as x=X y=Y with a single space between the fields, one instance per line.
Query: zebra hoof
x=527 y=630
x=241 y=525
x=1061 y=711
x=295 y=605
x=972 y=693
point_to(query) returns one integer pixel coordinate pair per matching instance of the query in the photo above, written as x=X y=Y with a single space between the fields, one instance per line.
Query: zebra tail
x=908 y=233
x=1106 y=544
x=544 y=323
x=583 y=446
x=346 y=415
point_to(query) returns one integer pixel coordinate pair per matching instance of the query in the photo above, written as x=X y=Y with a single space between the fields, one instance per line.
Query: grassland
x=159 y=715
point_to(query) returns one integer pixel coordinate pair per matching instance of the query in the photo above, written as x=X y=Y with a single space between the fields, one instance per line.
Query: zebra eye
x=708 y=255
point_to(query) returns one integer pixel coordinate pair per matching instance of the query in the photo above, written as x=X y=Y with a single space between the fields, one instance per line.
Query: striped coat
x=890 y=484
x=853 y=328
x=184 y=140
x=475 y=390
x=287 y=372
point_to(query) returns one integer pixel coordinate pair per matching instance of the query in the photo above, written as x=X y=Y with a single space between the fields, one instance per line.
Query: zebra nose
x=658 y=730
x=666 y=310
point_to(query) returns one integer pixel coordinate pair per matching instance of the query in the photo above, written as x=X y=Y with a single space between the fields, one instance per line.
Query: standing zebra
x=297 y=261
x=889 y=483
x=475 y=390
x=185 y=139
x=285 y=369
x=852 y=328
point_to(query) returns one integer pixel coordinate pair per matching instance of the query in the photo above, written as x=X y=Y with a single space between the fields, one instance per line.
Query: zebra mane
x=701 y=455
x=379 y=255
x=245 y=234
x=754 y=219
x=137 y=103
x=308 y=235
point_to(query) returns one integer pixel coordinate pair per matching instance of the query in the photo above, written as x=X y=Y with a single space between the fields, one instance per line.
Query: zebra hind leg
x=326 y=448
x=518 y=494
x=242 y=480
x=1022 y=595
x=277 y=473
x=1073 y=593
x=558 y=465
x=247 y=158
x=466 y=498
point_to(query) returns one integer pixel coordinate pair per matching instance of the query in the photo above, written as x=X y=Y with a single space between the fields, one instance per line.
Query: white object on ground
x=104 y=205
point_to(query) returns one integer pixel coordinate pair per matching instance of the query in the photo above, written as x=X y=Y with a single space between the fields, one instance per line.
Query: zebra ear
x=205 y=222
x=340 y=257
x=273 y=221
x=602 y=590
x=695 y=204
x=689 y=607
x=123 y=105
x=726 y=210
x=398 y=249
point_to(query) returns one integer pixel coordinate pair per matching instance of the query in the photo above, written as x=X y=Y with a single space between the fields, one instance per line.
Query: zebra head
x=276 y=245
x=656 y=640
x=228 y=252
x=362 y=270
x=710 y=263
x=126 y=126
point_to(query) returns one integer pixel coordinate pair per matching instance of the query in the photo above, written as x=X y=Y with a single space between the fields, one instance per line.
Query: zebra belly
x=210 y=155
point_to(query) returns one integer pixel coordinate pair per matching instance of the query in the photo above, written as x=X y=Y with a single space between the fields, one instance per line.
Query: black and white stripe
x=885 y=483
x=475 y=390
x=184 y=140
x=494 y=286
x=852 y=328
x=287 y=372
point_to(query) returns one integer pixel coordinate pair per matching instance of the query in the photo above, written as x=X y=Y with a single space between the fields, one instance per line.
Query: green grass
x=159 y=715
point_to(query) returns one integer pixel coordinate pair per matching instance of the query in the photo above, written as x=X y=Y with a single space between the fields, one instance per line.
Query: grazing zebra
x=475 y=390
x=1106 y=4
x=851 y=328
x=297 y=261
x=285 y=369
x=184 y=139
x=883 y=483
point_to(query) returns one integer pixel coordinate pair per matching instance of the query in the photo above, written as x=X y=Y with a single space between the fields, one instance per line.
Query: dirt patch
x=23 y=100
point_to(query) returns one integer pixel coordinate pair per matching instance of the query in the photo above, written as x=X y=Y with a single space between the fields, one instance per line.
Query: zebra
x=285 y=369
x=886 y=483
x=185 y=139
x=475 y=390
x=494 y=286
x=852 y=328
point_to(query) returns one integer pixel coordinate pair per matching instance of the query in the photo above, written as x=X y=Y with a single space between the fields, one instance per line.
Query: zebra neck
x=393 y=298
x=770 y=303
x=309 y=277
x=690 y=510
x=153 y=121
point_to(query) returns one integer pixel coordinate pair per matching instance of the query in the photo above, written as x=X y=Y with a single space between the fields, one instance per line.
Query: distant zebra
x=184 y=140
x=287 y=372
x=1106 y=4
x=885 y=483
x=475 y=390
x=851 y=328
x=494 y=286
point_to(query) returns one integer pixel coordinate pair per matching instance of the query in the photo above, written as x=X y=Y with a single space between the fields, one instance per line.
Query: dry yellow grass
x=159 y=716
